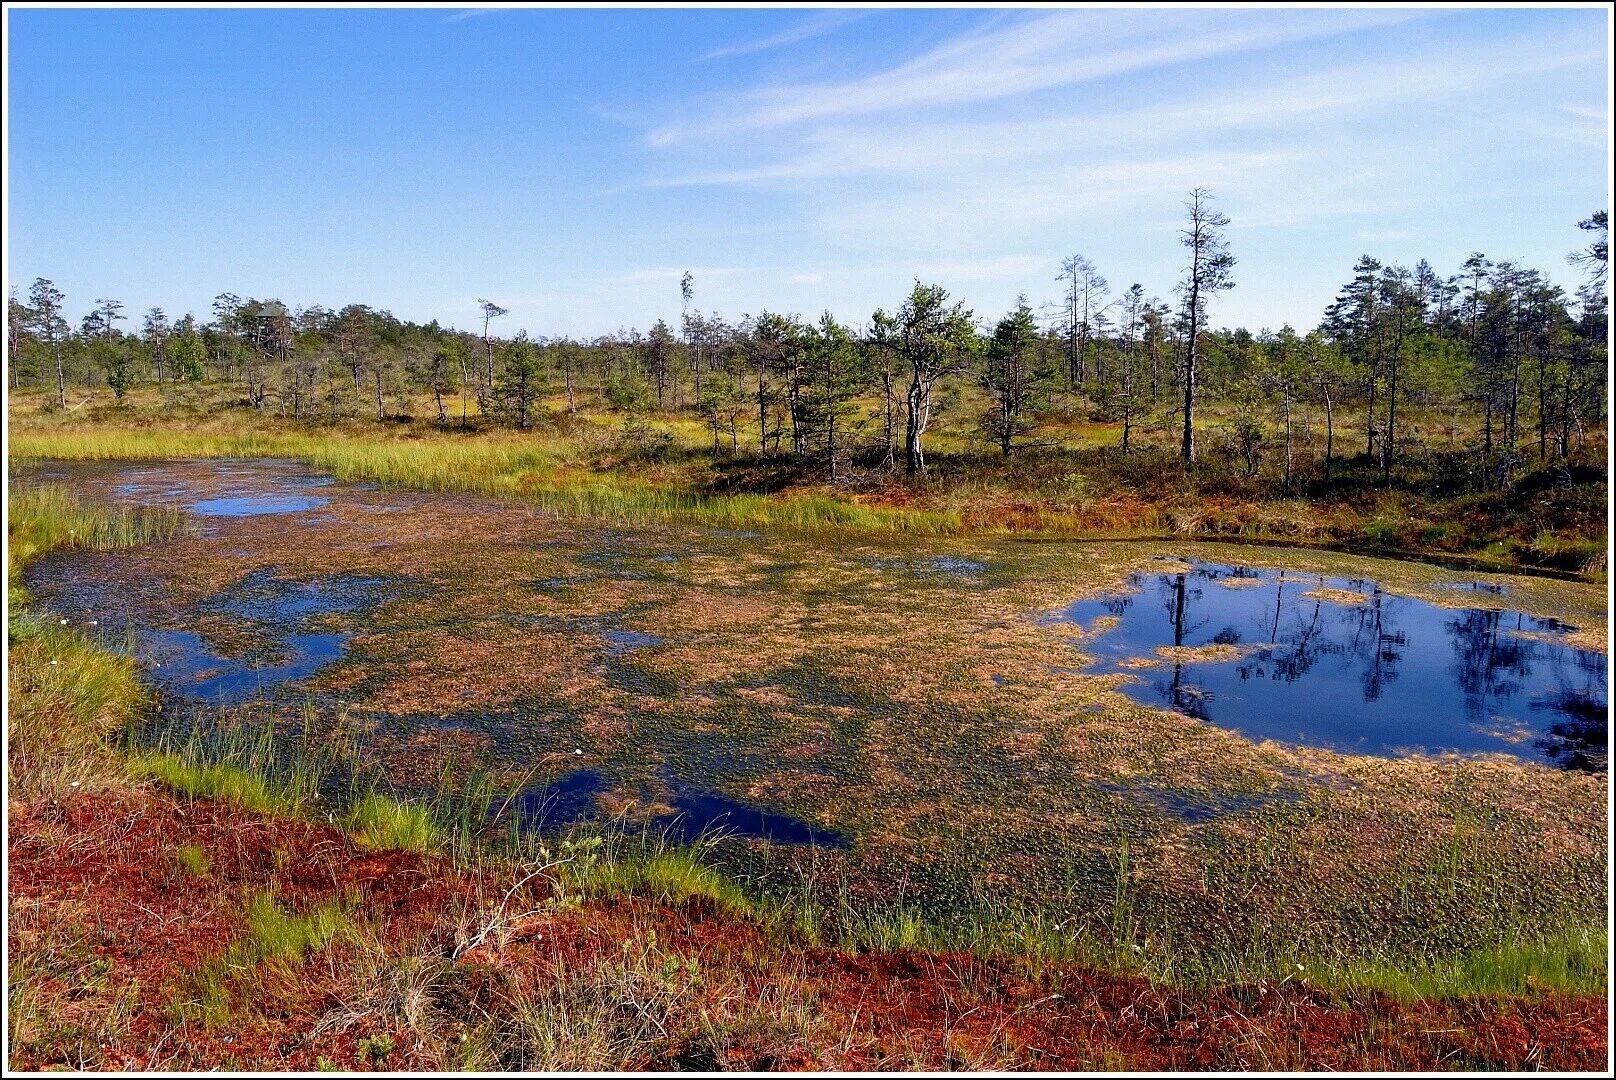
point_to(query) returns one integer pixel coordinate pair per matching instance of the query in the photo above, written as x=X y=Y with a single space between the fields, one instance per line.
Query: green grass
x=216 y=780
x=67 y=694
x=532 y=469
x=193 y=860
x=274 y=933
x=243 y=764
x=634 y=865
x=275 y=937
x=1572 y=961
x=52 y=518
x=379 y=823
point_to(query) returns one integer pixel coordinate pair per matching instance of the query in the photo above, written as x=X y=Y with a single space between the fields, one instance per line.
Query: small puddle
x=619 y=642
x=277 y=610
x=1340 y=663
x=248 y=505
x=251 y=490
x=559 y=802
x=185 y=664
x=696 y=813
x=701 y=813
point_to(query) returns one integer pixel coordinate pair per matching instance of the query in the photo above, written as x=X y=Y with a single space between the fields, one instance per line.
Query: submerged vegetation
x=445 y=914
x=433 y=781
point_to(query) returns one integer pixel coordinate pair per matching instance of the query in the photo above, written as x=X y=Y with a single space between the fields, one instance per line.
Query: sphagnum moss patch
x=933 y=715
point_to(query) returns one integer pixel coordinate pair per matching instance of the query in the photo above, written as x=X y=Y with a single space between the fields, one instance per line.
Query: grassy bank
x=1077 y=486
x=406 y=932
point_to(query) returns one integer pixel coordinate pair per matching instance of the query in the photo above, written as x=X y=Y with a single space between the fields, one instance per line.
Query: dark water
x=281 y=616
x=1383 y=675
x=185 y=664
x=697 y=813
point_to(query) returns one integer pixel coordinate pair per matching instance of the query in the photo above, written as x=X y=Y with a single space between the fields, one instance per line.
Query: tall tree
x=933 y=338
x=1010 y=372
x=445 y=369
x=688 y=327
x=45 y=301
x=491 y=311
x=1210 y=271
x=1327 y=373
x=520 y=381
x=1404 y=323
x=1131 y=360
x=18 y=319
x=770 y=342
x=834 y=371
x=1085 y=288
x=187 y=352
x=156 y=330
x=659 y=358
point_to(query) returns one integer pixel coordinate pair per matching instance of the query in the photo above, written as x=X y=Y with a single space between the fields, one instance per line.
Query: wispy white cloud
x=470 y=13
x=1323 y=131
x=920 y=146
x=803 y=31
x=1023 y=57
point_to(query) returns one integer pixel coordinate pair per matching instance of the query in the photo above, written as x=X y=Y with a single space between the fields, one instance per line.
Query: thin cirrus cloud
x=910 y=145
x=803 y=31
x=1023 y=57
x=979 y=160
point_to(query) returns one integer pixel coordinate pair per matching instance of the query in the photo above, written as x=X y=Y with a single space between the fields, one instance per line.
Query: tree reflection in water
x=1342 y=663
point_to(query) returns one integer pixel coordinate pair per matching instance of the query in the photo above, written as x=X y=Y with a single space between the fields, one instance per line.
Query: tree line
x=1495 y=341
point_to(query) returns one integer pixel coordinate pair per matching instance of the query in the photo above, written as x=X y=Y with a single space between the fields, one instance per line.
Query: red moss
x=109 y=861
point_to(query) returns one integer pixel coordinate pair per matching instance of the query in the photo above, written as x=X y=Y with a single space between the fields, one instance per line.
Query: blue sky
x=571 y=164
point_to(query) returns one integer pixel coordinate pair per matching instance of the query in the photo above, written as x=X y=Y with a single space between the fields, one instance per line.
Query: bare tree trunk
x=889 y=414
x=1287 y=435
x=1329 y=438
x=918 y=414
x=1190 y=355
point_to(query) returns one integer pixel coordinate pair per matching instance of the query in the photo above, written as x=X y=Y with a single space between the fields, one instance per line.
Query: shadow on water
x=279 y=615
x=1341 y=663
x=696 y=813
x=185 y=664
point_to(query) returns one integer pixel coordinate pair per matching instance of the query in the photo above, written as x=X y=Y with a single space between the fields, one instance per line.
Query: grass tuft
x=379 y=823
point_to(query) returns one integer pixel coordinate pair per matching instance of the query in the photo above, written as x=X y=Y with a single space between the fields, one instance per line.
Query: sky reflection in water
x=1375 y=673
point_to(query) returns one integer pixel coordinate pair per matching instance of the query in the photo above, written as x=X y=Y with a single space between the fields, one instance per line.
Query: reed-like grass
x=377 y=822
x=64 y=713
x=67 y=694
x=275 y=936
x=530 y=469
x=53 y=518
